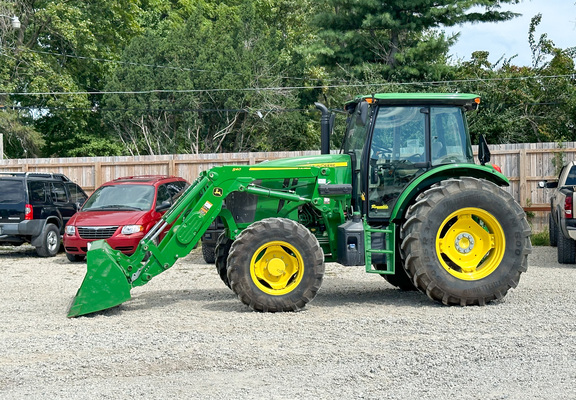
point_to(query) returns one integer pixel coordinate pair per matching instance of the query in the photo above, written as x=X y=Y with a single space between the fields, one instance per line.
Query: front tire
x=276 y=265
x=466 y=242
x=50 y=241
x=208 y=254
x=75 y=257
x=223 y=245
x=552 y=231
x=566 y=248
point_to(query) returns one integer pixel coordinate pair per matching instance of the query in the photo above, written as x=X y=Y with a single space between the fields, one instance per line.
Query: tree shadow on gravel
x=218 y=299
x=224 y=300
x=18 y=252
x=372 y=296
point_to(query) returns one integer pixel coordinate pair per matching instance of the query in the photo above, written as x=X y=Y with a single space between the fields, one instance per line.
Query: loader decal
x=205 y=208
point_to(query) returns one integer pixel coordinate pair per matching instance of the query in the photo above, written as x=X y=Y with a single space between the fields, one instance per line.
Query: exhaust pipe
x=325 y=128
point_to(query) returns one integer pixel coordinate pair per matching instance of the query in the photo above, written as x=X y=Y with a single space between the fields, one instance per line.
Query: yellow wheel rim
x=277 y=268
x=470 y=244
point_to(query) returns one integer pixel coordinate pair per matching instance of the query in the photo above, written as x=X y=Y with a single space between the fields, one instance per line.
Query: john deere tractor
x=403 y=198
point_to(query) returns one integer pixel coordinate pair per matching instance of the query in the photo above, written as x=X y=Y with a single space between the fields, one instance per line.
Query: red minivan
x=121 y=211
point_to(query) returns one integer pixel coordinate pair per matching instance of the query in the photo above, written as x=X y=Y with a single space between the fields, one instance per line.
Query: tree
x=523 y=104
x=396 y=39
x=62 y=47
x=210 y=101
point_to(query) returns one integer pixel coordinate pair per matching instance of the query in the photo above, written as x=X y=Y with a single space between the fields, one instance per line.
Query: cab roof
x=467 y=100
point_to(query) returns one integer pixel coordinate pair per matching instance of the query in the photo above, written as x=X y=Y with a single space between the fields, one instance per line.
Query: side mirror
x=483 y=151
x=362 y=111
x=165 y=205
x=547 y=185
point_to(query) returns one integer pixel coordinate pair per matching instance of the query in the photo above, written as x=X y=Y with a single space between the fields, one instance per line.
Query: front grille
x=125 y=249
x=96 y=232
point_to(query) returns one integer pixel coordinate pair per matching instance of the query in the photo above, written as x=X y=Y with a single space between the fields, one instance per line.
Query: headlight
x=70 y=230
x=130 y=229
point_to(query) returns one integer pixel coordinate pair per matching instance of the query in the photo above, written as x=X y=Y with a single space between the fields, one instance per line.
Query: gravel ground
x=185 y=335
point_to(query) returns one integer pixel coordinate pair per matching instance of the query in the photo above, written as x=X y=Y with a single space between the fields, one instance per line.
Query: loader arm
x=111 y=274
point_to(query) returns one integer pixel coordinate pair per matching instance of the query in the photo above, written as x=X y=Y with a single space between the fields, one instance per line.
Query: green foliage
x=20 y=140
x=540 y=238
x=229 y=116
x=395 y=39
x=518 y=105
x=58 y=49
x=187 y=73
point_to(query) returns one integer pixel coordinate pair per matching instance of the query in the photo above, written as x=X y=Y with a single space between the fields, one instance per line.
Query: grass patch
x=540 y=238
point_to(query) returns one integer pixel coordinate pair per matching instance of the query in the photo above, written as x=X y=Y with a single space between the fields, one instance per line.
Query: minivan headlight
x=130 y=229
x=70 y=230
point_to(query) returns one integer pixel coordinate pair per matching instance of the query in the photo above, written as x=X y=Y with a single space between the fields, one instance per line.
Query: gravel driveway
x=185 y=335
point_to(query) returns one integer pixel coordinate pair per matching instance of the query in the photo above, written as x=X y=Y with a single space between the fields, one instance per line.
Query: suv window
x=58 y=192
x=12 y=192
x=76 y=194
x=37 y=192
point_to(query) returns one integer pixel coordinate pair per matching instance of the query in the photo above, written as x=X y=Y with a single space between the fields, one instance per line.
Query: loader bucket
x=105 y=284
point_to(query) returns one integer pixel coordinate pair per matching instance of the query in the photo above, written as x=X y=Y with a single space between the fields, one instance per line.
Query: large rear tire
x=552 y=231
x=566 y=248
x=466 y=242
x=223 y=245
x=276 y=265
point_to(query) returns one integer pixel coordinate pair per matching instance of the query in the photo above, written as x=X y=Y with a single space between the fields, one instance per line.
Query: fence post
x=522 y=182
x=97 y=175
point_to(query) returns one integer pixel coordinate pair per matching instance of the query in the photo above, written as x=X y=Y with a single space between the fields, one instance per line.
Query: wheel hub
x=464 y=243
x=276 y=267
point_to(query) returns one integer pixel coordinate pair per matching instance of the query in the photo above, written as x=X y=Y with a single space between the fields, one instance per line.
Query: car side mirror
x=165 y=205
x=547 y=185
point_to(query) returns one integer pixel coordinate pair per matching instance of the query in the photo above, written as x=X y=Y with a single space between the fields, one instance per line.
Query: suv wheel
x=50 y=241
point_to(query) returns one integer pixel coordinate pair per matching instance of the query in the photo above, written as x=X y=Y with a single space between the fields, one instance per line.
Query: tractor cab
x=393 y=139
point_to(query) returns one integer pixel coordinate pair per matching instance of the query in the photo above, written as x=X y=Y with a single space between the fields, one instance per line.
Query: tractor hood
x=320 y=161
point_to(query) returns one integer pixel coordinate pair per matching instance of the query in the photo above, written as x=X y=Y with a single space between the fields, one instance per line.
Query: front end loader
x=403 y=198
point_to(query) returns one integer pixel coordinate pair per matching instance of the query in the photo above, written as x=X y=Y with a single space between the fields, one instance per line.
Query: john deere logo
x=217 y=192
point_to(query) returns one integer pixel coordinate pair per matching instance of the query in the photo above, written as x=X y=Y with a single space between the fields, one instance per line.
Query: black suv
x=34 y=208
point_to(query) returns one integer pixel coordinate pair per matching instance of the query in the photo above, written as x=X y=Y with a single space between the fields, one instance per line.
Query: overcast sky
x=510 y=38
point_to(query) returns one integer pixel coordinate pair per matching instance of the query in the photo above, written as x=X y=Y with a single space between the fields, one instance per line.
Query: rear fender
x=441 y=173
x=37 y=240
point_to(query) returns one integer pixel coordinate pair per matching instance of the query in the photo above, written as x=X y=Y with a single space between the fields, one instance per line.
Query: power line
x=251 y=110
x=287 y=88
x=158 y=66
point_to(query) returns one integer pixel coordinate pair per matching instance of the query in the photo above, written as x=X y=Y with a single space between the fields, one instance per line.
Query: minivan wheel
x=75 y=257
x=50 y=241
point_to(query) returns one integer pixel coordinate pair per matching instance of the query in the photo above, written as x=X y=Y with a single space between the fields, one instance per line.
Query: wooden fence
x=523 y=164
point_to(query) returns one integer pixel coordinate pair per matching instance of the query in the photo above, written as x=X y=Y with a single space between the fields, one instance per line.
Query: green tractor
x=403 y=198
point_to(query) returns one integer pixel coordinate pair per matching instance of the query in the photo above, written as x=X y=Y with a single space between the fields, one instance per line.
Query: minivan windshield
x=121 y=198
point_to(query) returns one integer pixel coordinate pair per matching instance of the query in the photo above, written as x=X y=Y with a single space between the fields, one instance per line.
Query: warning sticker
x=205 y=208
